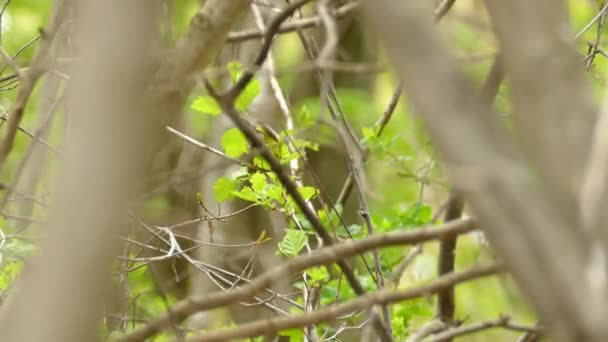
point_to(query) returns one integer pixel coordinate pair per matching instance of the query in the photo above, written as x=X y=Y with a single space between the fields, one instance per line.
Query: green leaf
x=206 y=105
x=368 y=132
x=293 y=242
x=261 y=163
x=235 y=68
x=308 y=192
x=258 y=182
x=294 y=334
x=318 y=275
x=252 y=89
x=247 y=194
x=249 y=93
x=276 y=193
x=304 y=118
x=223 y=189
x=234 y=143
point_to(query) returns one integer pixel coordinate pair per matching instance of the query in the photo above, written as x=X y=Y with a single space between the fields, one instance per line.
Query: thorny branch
x=319 y=257
x=381 y=297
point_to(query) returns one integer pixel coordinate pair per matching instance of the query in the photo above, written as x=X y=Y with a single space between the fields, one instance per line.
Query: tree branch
x=381 y=297
x=501 y=322
x=71 y=272
x=483 y=161
x=323 y=256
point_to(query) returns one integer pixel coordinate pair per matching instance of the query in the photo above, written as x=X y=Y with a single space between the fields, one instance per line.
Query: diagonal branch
x=381 y=297
x=323 y=256
x=483 y=161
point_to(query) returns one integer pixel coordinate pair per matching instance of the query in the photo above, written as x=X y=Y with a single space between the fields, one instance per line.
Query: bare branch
x=483 y=161
x=207 y=147
x=294 y=25
x=322 y=256
x=502 y=322
x=381 y=297
x=535 y=40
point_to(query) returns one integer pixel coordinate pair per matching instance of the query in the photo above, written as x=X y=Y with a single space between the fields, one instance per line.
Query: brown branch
x=501 y=322
x=72 y=268
x=432 y=327
x=295 y=25
x=330 y=313
x=534 y=42
x=488 y=166
x=323 y=256
x=445 y=298
x=443 y=9
x=227 y=101
x=196 y=49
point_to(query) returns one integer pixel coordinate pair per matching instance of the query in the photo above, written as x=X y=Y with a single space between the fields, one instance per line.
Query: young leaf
x=223 y=189
x=308 y=192
x=261 y=163
x=234 y=68
x=258 y=182
x=293 y=242
x=305 y=118
x=318 y=275
x=247 y=194
x=251 y=91
x=234 y=143
x=206 y=105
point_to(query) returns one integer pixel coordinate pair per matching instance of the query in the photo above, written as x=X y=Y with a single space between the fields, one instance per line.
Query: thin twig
x=207 y=147
x=295 y=25
x=190 y=306
x=501 y=322
x=443 y=9
x=381 y=297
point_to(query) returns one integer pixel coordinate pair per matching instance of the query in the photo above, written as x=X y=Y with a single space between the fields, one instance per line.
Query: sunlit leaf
x=258 y=182
x=234 y=143
x=223 y=189
x=206 y=105
x=307 y=192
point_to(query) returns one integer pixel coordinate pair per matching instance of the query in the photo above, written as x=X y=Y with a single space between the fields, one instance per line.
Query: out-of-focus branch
x=432 y=327
x=501 y=322
x=71 y=274
x=539 y=54
x=176 y=75
x=194 y=51
x=322 y=256
x=381 y=297
x=443 y=9
x=484 y=163
x=455 y=206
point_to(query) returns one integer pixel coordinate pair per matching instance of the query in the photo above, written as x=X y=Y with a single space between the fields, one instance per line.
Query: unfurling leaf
x=293 y=242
